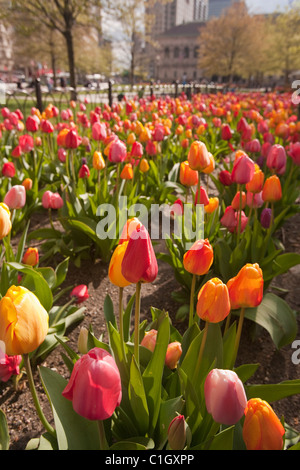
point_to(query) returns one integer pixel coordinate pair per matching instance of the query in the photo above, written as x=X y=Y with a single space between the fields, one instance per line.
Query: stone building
x=177 y=55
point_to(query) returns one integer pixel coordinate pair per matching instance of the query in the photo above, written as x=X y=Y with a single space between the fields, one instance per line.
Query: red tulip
x=84 y=171
x=26 y=143
x=243 y=169
x=80 y=293
x=294 y=152
x=199 y=258
x=204 y=199
x=225 y=178
x=226 y=132
x=139 y=263
x=95 y=385
x=17 y=152
x=32 y=123
x=9 y=365
x=8 y=169
x=73 y=140
x=47 y=126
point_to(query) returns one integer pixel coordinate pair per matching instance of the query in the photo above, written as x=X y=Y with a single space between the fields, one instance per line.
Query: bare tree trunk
x=70 y=49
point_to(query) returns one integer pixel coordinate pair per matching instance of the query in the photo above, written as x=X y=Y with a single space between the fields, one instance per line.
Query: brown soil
x=276 y=366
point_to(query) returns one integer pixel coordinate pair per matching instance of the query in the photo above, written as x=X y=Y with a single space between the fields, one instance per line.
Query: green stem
x=198 y=187
x=102 y=436
x=61 y=310
x=191 y=316
x=198 y=365
x=37 y=405
x=137 y=321
x=238 y=335
x=121 y=327
x=240 y=215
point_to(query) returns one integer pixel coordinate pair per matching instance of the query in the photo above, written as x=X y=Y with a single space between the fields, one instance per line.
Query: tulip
x=27 y=183
x=144 y=165
x=211 y=166
x=213 y=301
x=80 y=293
x=198 y=156
x=253 y=146
x=15 y=198
x=177 y=433
x=114 y=270
x=47 y=126
x=294 y=152
x=117 y=151
x=262 y=430
x=23 y=321
x=225 y=178
x=235 y=203
x=173 y=354
x=272 y=191
x=149 y=340
x=127 y=172
x=9 y=365
x=243 y=170
x=129 y=229
x=17 y=152
x=199 y=258
x=99 y=131
x=139 y=263
x=62 y=155
x=225 y=396
x=226 y=132
x=8 y=169
x=32 y=123
x=26 y=143
x=72 y=139
x=187 y=176
x=266 y=217
x=31 y=256
x=246 y=288
x=84 y=171
x=56 y=201
x=136 y=150
x=276 y=159
x=255 y=185
x=254 y=200
x=98 y=161
x=95 y=385
x=203 y=197
x=5 y=222
x=228 y=220
x=212 y=205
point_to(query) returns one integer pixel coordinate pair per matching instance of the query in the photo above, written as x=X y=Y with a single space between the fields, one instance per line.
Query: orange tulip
x=272 y=191
x=149 y=340
x=199 y=258
x=173 y=354
x=31 y=257
x=211 y=166
x=144 y=165
x=61 y=138
x=129 y=228
x=255 y=185
x=5 y=222
x=235 y=203
x=262 y=429
x=212 y=205
x=27 y=183
x=246 y=288
x=114 y=270
x=187 y=176
x=198 y=156
x=213 y=301
x=127 y=172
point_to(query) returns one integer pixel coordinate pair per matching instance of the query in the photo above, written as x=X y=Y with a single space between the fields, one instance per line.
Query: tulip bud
x=31 y=257
x=173 y=354
x=8 y=169
x=98 y=161
x=95 y=385
x=84 y=171
x=149 y=340
x=23 y=321
x=246 y=288
x=9 y=365
x=187 y=176
x=114 y=270
x=235 y=203
x=127 y=172
x=62 y=155
x=5 y=222
x=177 y=433
x=203 y=197
x=15 y=198
x=272 y=191
x=213 y=301
x=27 y=183
x=225 y=396
x=144 y=165
x=265 y=217
x=198 y=156
x=262 y=429
x=82 y=340
x=226 y=132
x=80 y=293
x=139 y=263
x=199 y=258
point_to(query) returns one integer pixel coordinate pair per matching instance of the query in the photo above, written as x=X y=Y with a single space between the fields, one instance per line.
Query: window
x=196 y=52
x=186 y=52
x=176 y=52
x=167 y=52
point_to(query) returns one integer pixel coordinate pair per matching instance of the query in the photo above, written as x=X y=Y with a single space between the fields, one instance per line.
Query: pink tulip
x=95 y=385
x=294 y=152
x=15 y=198
x=73 y=140
x=5 y=112
x=117 y=151
x=62 y=155
x=26 y=143
x=226 y=132
x=243 y=170
x=276 y=159
x=225 y=396
x=253 y=146
x=47 y=126
x=32 y=123
x=51 y=200
x=99 y=131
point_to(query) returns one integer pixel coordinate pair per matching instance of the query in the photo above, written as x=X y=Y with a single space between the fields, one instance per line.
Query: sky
x=267 y=6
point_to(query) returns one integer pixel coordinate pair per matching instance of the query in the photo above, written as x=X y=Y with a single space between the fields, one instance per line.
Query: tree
x=61 y=16
x=227 y=43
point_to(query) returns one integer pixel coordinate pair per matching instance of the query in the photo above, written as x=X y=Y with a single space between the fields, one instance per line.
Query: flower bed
x=226 y=170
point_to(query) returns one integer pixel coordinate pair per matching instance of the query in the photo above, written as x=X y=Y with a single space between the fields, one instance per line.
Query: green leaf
x=137 y=398
x=4 y=433
x=109 y=311
x=73 y=431
x=275 y=315
x=274 y=392
x=221 y=441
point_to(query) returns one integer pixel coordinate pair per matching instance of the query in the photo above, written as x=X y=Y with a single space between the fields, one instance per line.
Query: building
x=177 y=12
x=217 y=7
x=176 y=57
